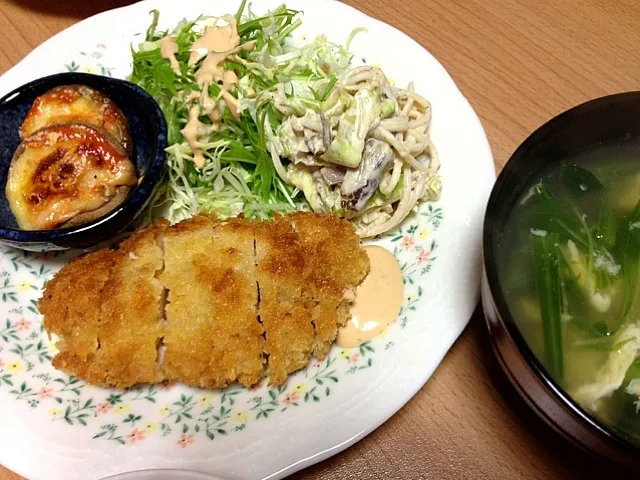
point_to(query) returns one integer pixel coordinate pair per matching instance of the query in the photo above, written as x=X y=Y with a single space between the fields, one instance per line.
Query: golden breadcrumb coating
x=335 y=265
x=239 y=334
x=131 y=317
x=213 y=335
x=71 y=304
x=189 y=333
x=286 y=318
x=206 y=302
x=116 y=321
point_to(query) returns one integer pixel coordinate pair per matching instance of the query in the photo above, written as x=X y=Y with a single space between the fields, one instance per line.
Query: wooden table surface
x=519 y=62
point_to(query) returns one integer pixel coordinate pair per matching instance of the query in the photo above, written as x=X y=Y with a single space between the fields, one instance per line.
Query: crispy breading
x=235 y=291
x=116 y=320
x=286 y=318
x=88 y=369
x=131 y=318
x=71 y=303
x=239 y=334
x=213 y=336
x=335 y=265
x=189 y=310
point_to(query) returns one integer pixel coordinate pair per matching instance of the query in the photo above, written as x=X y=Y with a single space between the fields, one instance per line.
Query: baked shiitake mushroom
x=73 y=164
x=77 y=103
x=66 y=174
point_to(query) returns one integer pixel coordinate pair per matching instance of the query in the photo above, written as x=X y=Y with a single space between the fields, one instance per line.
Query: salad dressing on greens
x=216 y=44
x=216 y=39
x=168 y=50
x=377 y=302
x=279 y=125
x=190 y=132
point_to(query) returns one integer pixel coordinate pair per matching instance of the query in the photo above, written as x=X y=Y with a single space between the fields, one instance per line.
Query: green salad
x=259 y=123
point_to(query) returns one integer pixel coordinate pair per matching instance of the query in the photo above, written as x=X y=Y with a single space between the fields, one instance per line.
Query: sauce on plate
x=377 y=301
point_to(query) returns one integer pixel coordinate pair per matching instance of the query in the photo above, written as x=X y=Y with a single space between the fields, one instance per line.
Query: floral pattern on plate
x=370 y=386
x=182 y=415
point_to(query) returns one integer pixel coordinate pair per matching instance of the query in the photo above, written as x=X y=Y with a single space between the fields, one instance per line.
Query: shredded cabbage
x=277 y=76
x=291 y=114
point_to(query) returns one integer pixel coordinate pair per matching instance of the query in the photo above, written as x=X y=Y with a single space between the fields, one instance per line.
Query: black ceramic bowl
x=611 y=123
x=149 y=134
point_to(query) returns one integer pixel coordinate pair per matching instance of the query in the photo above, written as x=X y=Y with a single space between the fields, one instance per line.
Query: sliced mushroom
x=332 y=176
x=330 y=198
x=307 y=159
x=317 y=132
x=120 y=196
x=326 y=132
x=299 y=137
x=314 y=142
x=360 y=183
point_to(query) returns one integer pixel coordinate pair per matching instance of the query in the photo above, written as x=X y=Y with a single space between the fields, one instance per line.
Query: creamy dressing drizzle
x=215 y=39
x=377 y=301
x=229 y=80
x=216 y=44
x=211 y=69
x=249 y=46
x=232 y=103
x=190 y=132
x=168 y=50
x=191 y=96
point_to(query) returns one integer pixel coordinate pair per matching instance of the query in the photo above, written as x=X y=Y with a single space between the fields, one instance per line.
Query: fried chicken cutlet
x=206 y=302
x=213 y=335
x=113 y=316
x=335 y=264
x=74 y=318
x=286 y=318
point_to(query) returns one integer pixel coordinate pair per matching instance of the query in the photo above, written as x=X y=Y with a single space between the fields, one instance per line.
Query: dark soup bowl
x=149 y=139
x=561 y=284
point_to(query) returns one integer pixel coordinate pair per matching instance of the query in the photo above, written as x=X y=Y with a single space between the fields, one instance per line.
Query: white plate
x=54 y=429
x=163 y=474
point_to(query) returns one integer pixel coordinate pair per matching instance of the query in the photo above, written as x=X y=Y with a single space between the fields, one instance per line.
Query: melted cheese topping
x=62 y=171
x=76 y=103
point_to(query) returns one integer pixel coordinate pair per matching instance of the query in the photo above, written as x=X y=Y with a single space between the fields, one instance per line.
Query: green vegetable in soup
x=630 y=240
x=578 y=180
x=571 y=245
x=579 y=271
x=549 y=284
x=608 y=221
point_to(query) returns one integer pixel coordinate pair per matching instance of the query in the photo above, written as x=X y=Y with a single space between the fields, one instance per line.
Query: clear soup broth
x=568 y=263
